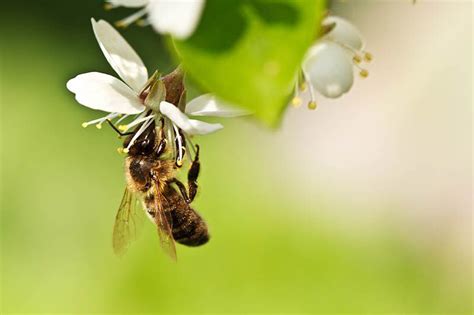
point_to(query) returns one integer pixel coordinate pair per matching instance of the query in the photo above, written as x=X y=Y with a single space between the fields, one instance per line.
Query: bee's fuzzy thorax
x=139 y=173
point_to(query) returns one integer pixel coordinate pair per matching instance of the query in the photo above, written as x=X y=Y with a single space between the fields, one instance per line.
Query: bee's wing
x=163 y=225
x=128 y=220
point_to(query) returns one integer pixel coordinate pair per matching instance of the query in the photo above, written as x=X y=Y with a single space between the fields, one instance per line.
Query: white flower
x=329 y=63
x=204 y=105
x=137 y=95
x=176 y=17
x=328 y=69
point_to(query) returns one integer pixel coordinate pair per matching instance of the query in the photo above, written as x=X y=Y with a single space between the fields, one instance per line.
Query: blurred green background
x=286 y=238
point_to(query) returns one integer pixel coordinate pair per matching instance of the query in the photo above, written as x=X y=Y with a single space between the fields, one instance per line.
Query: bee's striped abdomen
x=188 y=227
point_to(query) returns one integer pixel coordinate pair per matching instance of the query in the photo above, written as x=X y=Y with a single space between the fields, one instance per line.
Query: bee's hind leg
x=193 y=174
x=182 y=189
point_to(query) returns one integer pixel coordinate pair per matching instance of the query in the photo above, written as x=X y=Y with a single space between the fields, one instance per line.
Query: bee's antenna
x=121 y=134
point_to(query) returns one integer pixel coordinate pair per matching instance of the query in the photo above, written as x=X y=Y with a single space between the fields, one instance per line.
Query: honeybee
x=151 y=180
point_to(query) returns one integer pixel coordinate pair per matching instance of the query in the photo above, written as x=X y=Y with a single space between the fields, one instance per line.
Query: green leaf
x=249 y=52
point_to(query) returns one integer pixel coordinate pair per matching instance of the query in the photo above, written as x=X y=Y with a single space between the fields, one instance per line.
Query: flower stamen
x=109 y=6
x=363 y=73
x=356 y=59
x=122 y=118
x=181 y=148
x=98 y=122
x=296 y=101
x=143 y=127
x=131 y=18
x=367 y=56
x=312 y=105
x=142 y=22
x=303 y=86
x=138 y=120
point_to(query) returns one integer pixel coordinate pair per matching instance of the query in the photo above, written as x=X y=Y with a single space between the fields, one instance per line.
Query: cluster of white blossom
x=140 y=100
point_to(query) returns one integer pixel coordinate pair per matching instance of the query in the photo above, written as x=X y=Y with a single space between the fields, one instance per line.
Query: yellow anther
x=99 y=126
x=312 y=105
x=356 y=59
x=303 y=87
x=141 y=22
x=122 y=127
x=179 y=163
x=368 y=57
x=126 y=150
x=108 y=6
x=364 y=73
x=84 y=125
x=120 y=150
x=296 y=101
x=120 y=24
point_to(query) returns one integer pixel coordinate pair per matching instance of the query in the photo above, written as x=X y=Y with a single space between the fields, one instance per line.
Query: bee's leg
x=162 y=145
x=193 y=174
x=121 y=134
x=192 y=177
x=182 y=189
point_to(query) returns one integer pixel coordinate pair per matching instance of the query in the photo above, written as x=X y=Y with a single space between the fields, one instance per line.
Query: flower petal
x=104 y=92
x=344 y=32
x=128 y=3
x=179 y=18
x=209 y=105
x=121 y=56
x=189 y=126
x=329 y=69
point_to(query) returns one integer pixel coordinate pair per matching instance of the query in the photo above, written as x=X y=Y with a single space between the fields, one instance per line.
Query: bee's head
x=145 y=144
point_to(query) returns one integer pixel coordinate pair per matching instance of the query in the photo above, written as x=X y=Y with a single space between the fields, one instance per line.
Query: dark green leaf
x=249 y=52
